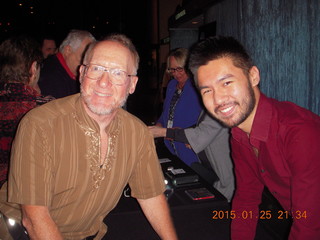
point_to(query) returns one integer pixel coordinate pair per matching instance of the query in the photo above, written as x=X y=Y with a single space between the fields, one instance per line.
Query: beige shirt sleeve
x=147 y=179
x=30 y=170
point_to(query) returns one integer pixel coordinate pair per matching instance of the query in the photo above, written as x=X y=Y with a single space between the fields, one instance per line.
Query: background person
x=210 y=140
x=58 y=76
x=48 y=47
x=73 y=157
x=274 y=144
x=20 y=60
x=182 y=105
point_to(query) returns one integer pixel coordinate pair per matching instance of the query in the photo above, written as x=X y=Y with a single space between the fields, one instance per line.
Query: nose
x=175 y=74
x=219 y=97
x=105 y=80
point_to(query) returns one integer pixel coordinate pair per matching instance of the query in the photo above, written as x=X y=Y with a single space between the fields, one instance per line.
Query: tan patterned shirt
x=55 y=162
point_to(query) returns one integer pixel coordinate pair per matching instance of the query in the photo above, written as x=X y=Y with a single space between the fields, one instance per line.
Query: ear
x=133 y=84
x=34 y=74
x=81 y=72
x=254 y=75
x=66 y=51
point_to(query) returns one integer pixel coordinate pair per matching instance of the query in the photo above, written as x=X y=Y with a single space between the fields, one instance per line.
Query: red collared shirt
x=288 y=163
x=65 y=66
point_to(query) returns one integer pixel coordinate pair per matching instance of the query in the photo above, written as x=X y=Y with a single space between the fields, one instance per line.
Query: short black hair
x=213 y=48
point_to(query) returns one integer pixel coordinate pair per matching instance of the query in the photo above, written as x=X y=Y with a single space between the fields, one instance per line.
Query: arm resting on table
x=158 y=214
x=39 y=224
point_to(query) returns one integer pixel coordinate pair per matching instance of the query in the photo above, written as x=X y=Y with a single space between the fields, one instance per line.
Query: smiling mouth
x=226 y=111
x=103 y=94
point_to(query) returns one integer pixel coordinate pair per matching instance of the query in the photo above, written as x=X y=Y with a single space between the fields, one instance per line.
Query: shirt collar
x=86 y=122
x=65 y=66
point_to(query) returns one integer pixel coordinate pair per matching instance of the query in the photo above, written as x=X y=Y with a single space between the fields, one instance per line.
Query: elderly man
x=274 y=144
x=58 y=76
x=73 y=157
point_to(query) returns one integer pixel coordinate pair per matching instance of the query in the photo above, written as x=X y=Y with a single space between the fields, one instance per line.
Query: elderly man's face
x=73 y=58
x=102 y=96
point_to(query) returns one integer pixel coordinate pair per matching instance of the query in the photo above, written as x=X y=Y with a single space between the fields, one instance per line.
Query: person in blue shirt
x=182 y=105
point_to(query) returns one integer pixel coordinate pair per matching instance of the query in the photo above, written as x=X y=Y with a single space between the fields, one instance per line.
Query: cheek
x=207 y=100
x=87 y=86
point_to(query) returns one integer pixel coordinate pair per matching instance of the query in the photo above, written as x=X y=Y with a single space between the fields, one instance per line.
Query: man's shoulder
x=289 y=118
x=289 y=112
x=51 y=66
x=130 y=118
x=50 y=62
x=54 y=109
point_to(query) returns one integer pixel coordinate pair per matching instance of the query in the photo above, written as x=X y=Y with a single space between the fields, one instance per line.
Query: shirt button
x=262 y=170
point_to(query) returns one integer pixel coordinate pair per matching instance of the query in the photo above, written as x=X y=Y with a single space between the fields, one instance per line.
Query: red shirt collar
x=65 y=66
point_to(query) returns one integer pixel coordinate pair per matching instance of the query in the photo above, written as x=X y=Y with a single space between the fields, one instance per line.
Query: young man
x=274 y=144
x=72 y=157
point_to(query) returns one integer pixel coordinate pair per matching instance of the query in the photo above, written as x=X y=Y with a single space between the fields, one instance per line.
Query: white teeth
x=102 y=95
x=226 y=110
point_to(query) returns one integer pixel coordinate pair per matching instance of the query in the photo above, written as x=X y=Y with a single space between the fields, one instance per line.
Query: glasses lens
x=172 y=70
x=94 y=72
x=118 y=76
x=179 y=69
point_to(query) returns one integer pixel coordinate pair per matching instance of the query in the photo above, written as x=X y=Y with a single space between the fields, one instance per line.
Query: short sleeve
x=30 y=179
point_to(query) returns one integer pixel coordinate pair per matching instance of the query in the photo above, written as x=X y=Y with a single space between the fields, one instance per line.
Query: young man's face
x=227 y=92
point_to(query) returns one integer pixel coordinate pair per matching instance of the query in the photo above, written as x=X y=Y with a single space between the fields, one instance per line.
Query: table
x=192 y=219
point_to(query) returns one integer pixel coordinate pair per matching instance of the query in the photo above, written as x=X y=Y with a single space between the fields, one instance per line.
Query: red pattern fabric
x=15 y=100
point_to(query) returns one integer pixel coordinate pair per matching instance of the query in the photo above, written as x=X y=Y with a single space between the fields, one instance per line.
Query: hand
x=157 y=131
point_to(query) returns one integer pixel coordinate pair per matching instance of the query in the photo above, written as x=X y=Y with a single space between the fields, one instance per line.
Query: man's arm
x=158 y=214
x=198 y=137
x=157 y=130
x=39 y=224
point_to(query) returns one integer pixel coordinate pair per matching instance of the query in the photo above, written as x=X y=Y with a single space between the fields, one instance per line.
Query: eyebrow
x=225 y=77
x=218 y=80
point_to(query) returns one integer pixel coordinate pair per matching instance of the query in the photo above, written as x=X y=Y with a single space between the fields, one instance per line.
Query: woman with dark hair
x=20 y=59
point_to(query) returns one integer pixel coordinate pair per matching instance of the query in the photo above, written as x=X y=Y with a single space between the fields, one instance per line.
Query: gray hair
x=180 y=54
x=75 y=38
x=121 y=39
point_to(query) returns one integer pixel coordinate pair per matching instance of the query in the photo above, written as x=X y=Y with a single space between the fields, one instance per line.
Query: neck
x=102 y=120
x=180 y=85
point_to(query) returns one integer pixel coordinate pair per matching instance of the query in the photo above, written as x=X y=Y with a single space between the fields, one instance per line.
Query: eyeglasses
x=117 y=76
x=178 y=69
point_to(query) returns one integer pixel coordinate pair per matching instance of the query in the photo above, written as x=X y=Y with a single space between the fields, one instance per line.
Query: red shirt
x=15 y=100
x=288 y=163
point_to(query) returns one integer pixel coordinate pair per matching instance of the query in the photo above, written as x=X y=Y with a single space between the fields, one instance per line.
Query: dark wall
x=283 y=38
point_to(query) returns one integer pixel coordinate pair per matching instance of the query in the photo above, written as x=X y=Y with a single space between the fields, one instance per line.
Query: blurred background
x=281 y=35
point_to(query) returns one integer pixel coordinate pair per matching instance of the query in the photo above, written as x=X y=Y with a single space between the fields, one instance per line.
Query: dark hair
x=16 y=57
x=213 y=48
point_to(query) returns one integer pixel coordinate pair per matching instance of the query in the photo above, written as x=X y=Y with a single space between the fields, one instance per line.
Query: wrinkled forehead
x=113 y=52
